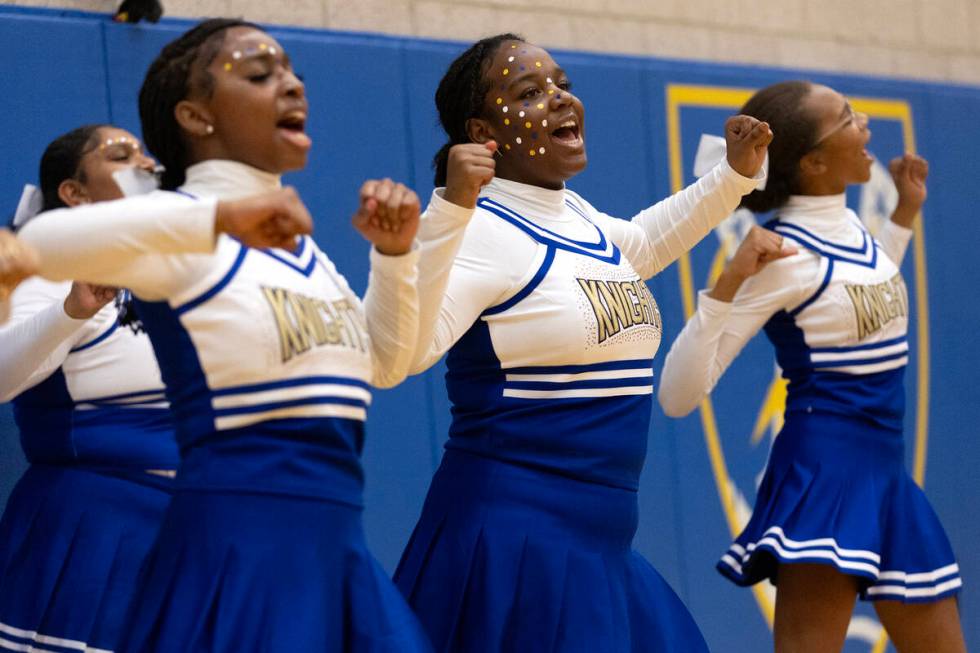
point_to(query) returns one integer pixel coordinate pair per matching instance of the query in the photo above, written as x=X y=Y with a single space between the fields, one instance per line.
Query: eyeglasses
x=848 y=116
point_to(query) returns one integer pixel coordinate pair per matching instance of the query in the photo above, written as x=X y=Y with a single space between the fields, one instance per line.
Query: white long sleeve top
x=492 y=265
x=256 y=342
x=550 y=329
x=812 y=293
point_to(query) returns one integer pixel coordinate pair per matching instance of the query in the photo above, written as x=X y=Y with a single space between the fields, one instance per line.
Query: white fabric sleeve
x=38 y=337
x=441 y=233
x=391 y=308
x=129 y=243
x=894 y=240
x=492 y=263
x=660 y=234
x=718 y=330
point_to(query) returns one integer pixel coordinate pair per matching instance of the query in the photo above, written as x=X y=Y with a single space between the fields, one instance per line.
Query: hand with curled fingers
x=759 y=248
x=388 y=216
x=909 y=172
x=85 y=299
x=471 y=166
x=272 y=219
x=748 y=141
x=17 y=262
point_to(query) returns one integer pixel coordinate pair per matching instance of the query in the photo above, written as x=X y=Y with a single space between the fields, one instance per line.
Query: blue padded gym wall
x=372 y=115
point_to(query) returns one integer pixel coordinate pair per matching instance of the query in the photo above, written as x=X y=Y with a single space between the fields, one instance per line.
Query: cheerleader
x=17 y=262
x=268 y=359
x=837 y=515
x=524 y=542
x=95 y=428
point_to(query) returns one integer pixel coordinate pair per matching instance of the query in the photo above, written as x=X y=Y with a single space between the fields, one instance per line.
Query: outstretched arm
x=131 y=242
x=659 y=235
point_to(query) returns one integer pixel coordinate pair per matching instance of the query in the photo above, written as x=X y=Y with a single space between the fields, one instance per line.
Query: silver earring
x=209 y=130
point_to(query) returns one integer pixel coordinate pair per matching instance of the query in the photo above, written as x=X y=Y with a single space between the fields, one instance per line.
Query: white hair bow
x=29 y=205
x=712 y=150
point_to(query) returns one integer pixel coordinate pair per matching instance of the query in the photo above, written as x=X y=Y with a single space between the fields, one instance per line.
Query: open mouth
x=568 y=133
x=293 y=127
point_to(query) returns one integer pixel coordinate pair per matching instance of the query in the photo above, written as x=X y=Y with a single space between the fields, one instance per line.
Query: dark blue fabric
x=506 y=558
x=600 y=439
x=54 y=431
x=247 y=573
x=71 y=545
x=838 y=478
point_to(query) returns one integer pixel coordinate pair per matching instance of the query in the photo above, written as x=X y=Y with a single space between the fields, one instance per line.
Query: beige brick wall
x=925 y=39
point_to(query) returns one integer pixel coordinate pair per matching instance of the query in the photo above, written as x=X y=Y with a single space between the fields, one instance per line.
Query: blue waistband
x=313 y=458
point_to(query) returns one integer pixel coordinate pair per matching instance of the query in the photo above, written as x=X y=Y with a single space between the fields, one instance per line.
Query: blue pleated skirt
x=71 y=545
x=836 y=492
x=507 y=558
x=266 y=573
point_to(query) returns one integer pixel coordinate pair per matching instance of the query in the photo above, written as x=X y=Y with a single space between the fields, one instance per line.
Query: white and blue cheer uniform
x=96 y=429
x=835 y=490
x=525 y=539
x=268 y=358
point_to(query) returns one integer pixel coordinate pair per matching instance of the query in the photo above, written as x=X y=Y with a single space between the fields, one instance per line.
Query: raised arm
x=469 y=167
x=660 y=234
x=388 y=218
x=909 y=173
x=748 y=292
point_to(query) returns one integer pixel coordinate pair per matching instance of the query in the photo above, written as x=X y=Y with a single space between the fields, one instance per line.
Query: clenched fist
x=17 y=262
x=748 y=141
x=909 y=172
x=760 y=248
x=471 y=166
x=388 y=216
x=271 y=219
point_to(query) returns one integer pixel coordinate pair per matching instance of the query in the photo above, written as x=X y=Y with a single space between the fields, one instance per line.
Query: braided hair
x=461 y=93
x=180 y=66
x=61 y=161
x=795 y=134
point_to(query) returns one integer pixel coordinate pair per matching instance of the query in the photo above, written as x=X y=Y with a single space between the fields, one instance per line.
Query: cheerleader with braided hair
x=268 y=359
x=525 y=539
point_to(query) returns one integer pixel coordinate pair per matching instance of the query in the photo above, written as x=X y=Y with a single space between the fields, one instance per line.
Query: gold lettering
x=618 y=312
x=627 y=289
x=290 y=340
x=603 y=319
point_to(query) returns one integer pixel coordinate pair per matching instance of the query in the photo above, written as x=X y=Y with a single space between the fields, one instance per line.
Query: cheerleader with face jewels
x=17 y=262
x=837 y=515
x=268 y=358
x=525 y=539
x=95 y=427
